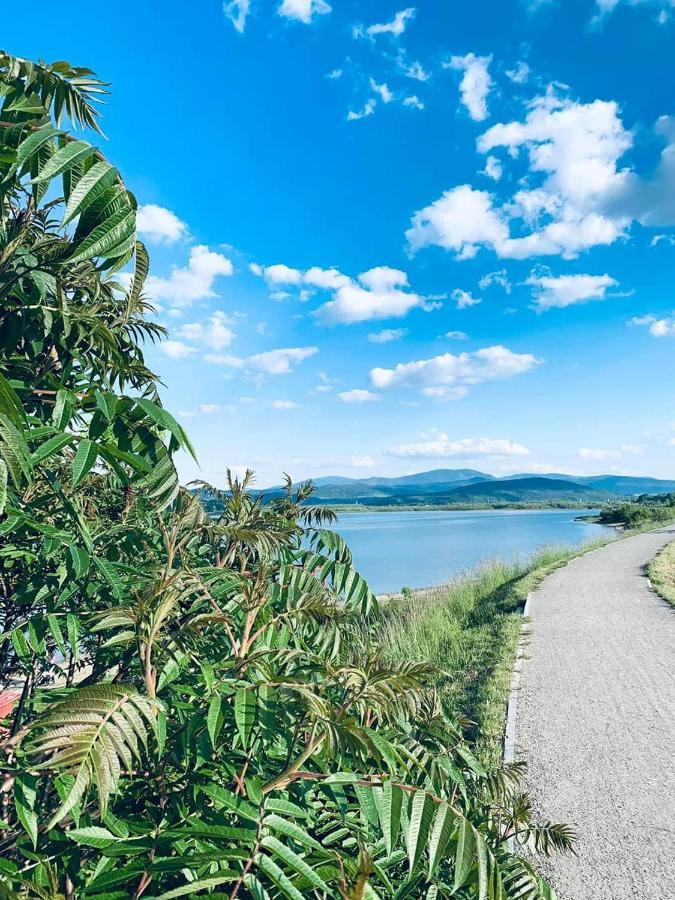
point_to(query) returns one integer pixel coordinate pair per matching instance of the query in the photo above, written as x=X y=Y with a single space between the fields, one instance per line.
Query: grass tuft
x=661 y=571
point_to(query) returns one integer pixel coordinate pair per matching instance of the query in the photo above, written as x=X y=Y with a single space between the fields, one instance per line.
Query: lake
x=421 y=549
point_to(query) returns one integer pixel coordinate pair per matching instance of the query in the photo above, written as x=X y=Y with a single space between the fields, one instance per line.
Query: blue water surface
x=420 y=549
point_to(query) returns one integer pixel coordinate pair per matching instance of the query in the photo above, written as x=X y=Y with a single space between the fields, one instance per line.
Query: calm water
x=420 y=549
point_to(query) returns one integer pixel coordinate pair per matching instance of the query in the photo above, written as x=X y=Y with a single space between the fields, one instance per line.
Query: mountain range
x=441 y=486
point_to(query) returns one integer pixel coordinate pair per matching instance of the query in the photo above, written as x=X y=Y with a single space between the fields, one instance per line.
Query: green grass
x=661 y=571
x=469 y=629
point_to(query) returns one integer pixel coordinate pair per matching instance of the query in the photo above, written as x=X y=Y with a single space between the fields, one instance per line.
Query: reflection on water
x=419 y=549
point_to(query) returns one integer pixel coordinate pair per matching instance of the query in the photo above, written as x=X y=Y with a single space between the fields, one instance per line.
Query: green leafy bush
x=201 y=706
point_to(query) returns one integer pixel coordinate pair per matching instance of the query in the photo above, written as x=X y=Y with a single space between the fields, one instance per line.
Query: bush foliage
x=200 y=706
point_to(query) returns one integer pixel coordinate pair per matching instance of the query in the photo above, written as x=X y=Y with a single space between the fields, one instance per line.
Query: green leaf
x=202 y=884
x=293 y=861
x=421 y=815
x=64 y=159
x=291 y=830
x=244 y=713
x=278 y=877
x=51 y=446
x=80 y=560
x=92 y=734
x=390 y=814
x=25 y=792
x=57 y=634
x=63 y=408
x=3 y=486
x=84 y=459
x=92 y=836
x=214 y=719
x=20 y=645
x=98 y=179
x=110 y=236
x=444 y=825
x=166 y=421
x=73 y=629
x=31 y=145
x=463 y=852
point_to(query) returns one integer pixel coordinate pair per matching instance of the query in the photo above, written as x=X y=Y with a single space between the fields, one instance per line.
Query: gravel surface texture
x=596 y=722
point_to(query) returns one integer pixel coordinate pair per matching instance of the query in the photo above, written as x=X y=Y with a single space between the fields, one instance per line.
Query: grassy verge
x=661 y=571
x=469 y=629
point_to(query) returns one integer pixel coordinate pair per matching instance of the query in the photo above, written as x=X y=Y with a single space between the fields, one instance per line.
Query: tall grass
x=661 y=571
x=469 y=630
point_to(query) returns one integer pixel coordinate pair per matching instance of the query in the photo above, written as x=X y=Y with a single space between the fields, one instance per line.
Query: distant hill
x=530 y=490
x=447 y=486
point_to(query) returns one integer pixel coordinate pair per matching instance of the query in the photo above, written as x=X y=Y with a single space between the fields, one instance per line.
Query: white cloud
x=455 y=335
x=237 y=12
x=387 y=335
x=209 y=408
x=566 y=290
x=272 y=362
x=366 y=110
x=192 y=282
x=519 y=74
x=413 y=102
x=499 y=278
x=658 y=238
x=277 y=274
x=439 y=446
x=159 y=224
x=493 y=168
x=283 y=404
x=582 y=197
x=303 y=10
x=464 y=299
x=382 y=91
x=487 y=364
x=414 y=70
x=462 y=220
x=176 y=349
x=379 y=293
x=334 y=74
x=605 y=7
x=475 y=84
x=396 y=27
x=658 y=327
x=597 y=454
x=215 y=333
x=358 y=396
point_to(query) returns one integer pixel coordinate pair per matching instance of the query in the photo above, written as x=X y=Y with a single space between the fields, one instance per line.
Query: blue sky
x=389 y=238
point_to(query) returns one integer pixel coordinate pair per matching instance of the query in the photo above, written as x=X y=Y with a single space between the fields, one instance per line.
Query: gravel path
x=596 y=722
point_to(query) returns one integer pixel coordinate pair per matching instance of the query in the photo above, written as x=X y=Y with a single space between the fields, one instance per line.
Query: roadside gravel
x=596 y=722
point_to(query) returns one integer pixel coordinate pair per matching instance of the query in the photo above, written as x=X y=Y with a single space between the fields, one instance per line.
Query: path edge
x=512 y=706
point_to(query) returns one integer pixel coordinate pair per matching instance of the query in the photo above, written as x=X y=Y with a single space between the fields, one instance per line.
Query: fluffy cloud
x=214 y=334
x=379 y=293
x=575 y=197
x=272 y=362
x=455 y=335
x=396 y=27
x=387 y=335
x=382 y=91
x=566 y=290
x=358 y=396
x=499 y=278
x=658 y=327
x=159 y=224
x=439 y=446
x=303 y=10
x=445 y=393
x=475 y=84
x=519 y=74
x=487 y=364
x=413 y=102
x=237 y=12
x=493 y=168
x=192 y=282
x=176 y=349
x=464 y=299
